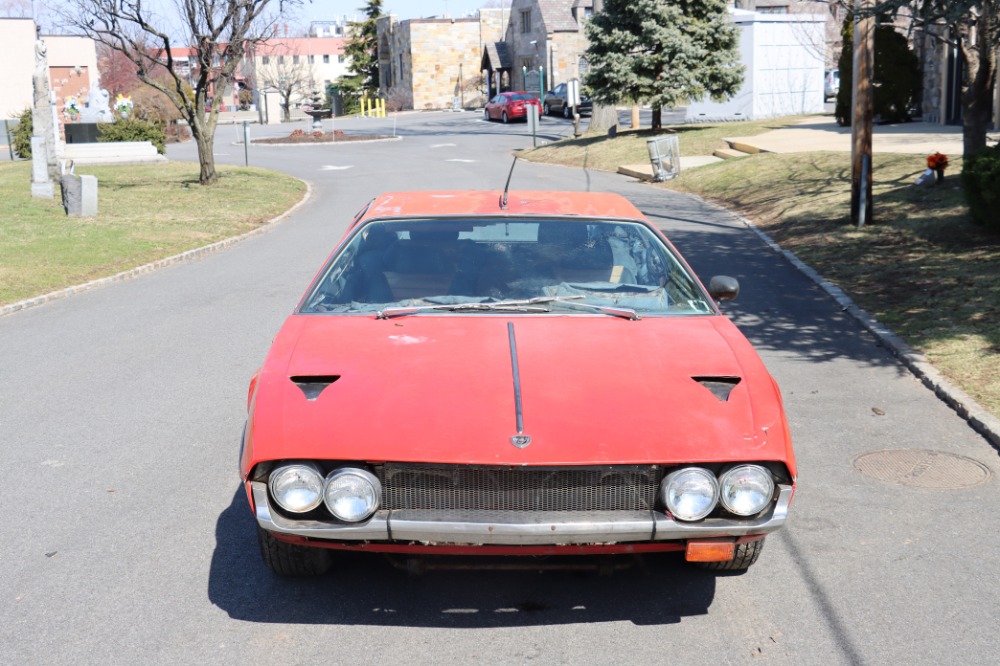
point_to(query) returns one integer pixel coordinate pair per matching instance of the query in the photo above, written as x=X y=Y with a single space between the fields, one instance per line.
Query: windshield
x=565 y=264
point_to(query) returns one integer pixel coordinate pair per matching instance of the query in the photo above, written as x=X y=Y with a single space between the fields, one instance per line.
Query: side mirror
x=723 y=288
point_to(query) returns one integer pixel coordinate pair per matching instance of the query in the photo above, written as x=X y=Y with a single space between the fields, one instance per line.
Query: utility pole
x=862 y=105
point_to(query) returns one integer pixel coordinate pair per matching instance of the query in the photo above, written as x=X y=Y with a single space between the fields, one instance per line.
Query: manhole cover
x=922 y=469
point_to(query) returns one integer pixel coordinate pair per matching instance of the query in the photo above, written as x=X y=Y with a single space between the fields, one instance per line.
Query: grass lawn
x=145 y=213
x=629 y=147
x=922 y=268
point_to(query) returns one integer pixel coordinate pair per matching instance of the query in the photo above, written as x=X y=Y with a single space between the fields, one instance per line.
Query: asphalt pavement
x=127 y=537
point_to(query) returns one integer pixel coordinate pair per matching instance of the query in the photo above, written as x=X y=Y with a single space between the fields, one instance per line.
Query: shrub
x=896 y=82
x=980 y=175
x=22 y=135
x=133 y=129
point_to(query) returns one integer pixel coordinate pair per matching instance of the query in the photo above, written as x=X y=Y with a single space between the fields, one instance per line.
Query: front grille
x=468 y=488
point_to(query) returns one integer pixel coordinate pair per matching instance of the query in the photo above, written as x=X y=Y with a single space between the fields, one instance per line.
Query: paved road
x=126 y=539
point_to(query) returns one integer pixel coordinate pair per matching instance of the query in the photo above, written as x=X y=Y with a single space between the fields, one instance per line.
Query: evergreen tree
x=362 y=49
x=662 y=53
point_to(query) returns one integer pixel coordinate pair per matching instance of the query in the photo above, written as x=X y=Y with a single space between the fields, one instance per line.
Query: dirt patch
x=336 y=136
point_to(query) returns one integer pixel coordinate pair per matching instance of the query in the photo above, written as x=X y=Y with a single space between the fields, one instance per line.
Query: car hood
x=440 y=388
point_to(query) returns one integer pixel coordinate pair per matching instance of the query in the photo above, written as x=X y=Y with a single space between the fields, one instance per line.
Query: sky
x=319 y=10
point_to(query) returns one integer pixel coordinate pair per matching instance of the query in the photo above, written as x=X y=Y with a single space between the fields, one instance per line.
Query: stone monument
x=98 y=108
x=43 y=154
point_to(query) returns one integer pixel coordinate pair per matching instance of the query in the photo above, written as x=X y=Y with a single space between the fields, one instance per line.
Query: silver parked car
x=554 y=103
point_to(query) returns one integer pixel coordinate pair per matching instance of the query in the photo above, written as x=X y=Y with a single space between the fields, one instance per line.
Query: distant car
x=831 y=83
x=510 y=106
x=520 y=374
x=554 y=103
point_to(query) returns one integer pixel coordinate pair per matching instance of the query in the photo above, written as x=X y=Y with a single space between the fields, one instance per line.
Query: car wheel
x=567 y=111
x=547 y=109
x=745 y=555
x=503 y=117
x=486 y=115
x=289 y=559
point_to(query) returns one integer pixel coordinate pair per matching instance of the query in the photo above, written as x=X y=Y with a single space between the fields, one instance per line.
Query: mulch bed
x=301 y=136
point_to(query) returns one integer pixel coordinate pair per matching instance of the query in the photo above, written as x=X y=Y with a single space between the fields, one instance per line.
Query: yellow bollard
x=381 y=108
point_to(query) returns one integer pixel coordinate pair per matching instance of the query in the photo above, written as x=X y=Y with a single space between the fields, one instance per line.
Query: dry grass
x=145 y=213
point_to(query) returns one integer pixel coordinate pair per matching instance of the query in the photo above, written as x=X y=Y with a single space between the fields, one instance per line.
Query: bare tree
x=217 y=32
x=286 y=70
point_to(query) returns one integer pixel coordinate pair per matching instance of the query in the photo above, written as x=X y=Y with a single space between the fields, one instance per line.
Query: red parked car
x=539 y=373
x=510 y=106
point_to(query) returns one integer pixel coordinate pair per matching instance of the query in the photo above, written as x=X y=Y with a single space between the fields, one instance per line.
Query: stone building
x=544 y=37
x=436 y=63
x=433 y=63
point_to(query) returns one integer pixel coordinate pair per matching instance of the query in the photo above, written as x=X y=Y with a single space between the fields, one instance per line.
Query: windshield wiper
x=624 y=313
x=388 y=313
x=535 y=304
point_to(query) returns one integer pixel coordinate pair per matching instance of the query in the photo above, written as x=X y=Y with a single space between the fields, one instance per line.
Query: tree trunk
x=603 y=119
x=977 y=100
x=203 y=132
x=657 y=122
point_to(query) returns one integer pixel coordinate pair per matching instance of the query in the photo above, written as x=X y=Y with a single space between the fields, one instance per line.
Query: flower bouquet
x=123 y=105
x=936 y=164
x=72 y=107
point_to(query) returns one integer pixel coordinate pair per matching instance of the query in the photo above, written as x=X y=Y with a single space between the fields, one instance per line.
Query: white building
x=784 y=56
x=72 y=66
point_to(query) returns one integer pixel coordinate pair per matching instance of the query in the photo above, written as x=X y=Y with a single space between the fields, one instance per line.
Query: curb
x=189 y=255
x=961 y=402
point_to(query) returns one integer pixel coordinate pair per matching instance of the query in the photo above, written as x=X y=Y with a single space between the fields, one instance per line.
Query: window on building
x=526 y=21
x=326 y=59
x=312 y=60
x=341 y=59
x=295 y=60
x=265 y=60
x=281 y=60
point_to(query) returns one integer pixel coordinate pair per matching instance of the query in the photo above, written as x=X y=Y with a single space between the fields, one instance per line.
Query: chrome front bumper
x=519 y=529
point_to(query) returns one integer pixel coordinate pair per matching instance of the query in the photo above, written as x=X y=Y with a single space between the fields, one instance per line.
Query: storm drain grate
x=919 y=468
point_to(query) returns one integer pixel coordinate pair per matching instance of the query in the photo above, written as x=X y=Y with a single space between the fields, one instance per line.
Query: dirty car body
x=537 y=373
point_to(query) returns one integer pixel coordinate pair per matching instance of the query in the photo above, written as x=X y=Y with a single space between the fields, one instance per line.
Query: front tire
x=486 y=115
x=548 y=110
x=567 y=111
x=292 y=560
x=746 y=554
x=504 y=118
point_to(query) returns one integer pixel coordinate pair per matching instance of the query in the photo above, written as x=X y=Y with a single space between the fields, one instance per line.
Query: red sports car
x=510 y=106
x=536 y=373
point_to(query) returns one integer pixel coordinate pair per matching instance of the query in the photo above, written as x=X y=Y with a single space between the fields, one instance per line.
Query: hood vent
x=313 y=385
x=720 y=387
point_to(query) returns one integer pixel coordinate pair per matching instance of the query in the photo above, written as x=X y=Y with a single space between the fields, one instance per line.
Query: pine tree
x=662 y=53
x=362 y=48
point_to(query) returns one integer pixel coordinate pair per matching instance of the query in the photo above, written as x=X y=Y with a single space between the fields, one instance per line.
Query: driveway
x=127 y=539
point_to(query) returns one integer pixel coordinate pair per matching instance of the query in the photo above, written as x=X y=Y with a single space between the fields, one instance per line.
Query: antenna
x=503 y=199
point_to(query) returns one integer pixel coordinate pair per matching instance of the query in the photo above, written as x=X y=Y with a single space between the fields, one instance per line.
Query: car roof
x=479 y=203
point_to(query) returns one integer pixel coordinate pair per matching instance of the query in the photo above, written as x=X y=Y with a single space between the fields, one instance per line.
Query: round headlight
x=297 y=488
x=352 y=495
x=745 y=490
x=690 y=493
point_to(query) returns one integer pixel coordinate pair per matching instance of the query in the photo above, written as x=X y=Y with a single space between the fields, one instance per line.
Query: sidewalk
x=821 y=133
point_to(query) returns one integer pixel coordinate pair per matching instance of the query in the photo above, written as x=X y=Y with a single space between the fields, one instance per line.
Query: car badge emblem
x=520 y=441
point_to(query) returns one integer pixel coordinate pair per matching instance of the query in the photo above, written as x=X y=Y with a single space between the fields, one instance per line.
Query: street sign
x=573 y=92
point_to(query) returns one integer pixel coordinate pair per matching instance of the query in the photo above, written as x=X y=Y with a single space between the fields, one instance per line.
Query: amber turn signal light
x=710 y=550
